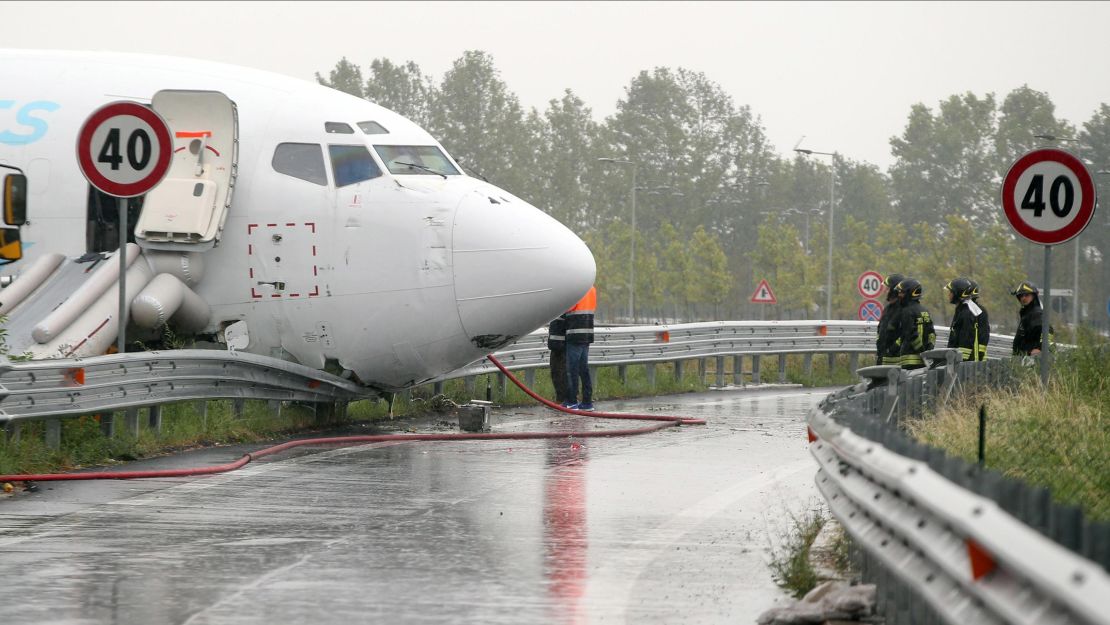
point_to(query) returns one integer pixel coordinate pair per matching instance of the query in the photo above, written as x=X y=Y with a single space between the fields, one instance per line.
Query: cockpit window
x=351 y=164
x=420 y=160
x=338 y=128
x=372 y=128
x=301 y=160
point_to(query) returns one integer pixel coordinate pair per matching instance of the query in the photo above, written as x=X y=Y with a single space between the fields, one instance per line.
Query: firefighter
x=1027 y=339
x=886 y=344
x=915 y=325
x=580 y=333
x=557 y=346
x=964 y=334
x=983 y=319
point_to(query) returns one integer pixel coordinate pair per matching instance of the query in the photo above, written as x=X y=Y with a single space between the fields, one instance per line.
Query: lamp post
x=632 y=252
x=832 y=204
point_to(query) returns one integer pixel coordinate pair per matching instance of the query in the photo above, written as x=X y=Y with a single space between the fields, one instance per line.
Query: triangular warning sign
x=763 y=294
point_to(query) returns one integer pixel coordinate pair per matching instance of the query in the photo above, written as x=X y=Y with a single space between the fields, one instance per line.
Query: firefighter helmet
x=1025 y=288
x=959 y=289
x=890 y=282
x=910 y=288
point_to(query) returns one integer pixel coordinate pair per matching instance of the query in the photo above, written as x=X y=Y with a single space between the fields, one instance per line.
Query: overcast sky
x=844 y=75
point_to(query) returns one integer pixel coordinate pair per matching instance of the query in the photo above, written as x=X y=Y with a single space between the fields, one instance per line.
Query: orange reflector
x=75 y=376
x=663 y=337
x=822 y=330
x=809 y=434
x=981 y=562
x=313 y=383
x=193 y=135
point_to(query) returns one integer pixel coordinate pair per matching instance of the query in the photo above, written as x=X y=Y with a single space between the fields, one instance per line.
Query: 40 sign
x=124 y=149
x=1048 y=196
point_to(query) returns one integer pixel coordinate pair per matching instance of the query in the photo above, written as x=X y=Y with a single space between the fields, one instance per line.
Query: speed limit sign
x=869 y=284
x=1048 y=196
x=124 y=149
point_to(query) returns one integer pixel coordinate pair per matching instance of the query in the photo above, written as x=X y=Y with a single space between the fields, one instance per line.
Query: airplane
x=296 y=221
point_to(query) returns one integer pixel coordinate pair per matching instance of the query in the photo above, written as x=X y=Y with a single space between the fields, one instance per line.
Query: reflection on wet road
x=669 y=527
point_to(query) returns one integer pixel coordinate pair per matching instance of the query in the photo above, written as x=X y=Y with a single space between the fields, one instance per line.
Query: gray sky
x=842 y=74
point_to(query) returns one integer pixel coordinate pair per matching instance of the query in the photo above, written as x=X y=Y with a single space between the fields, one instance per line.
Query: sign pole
x=121 y=340
x=1045 y=354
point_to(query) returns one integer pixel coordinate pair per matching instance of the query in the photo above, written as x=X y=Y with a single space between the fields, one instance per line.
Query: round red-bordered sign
x=870 y=284
x=124 y=149
x=1048 y=196
x=870 y=310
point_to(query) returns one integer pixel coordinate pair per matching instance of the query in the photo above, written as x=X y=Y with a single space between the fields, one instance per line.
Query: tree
x=403 y=89
x=568 y=156
x=946 y=163
x=482 y=124
x=346 y=77
x=1023 y=114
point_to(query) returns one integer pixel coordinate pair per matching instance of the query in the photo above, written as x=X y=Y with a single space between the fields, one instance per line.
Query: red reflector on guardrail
x=313 y=383
x=663 y=337
x=981 y=562
x=822 y=330
x=75 y=376
x=810 y=435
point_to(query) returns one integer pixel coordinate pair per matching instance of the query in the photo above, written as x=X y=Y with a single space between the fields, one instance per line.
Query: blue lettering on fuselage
x=25 y=120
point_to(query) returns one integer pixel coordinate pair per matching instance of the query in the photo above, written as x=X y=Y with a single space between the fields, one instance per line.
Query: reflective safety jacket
x=886 y=346
x=580 y=319
x=965 y=332
x=557 y=333
x=916 y=333
x=1028 y=335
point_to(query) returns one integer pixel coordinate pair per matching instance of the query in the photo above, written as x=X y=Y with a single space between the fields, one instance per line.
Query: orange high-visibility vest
x=588 y=303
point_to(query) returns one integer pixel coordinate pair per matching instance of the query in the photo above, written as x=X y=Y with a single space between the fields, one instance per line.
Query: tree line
x=717 y=209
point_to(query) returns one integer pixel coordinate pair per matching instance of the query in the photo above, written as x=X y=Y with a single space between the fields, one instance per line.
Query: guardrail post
x=649 y=369
x=678 y=371
x=202 y=408
x=782 y=368
x=469 y=384
x=738 y=370
x=53 y=433
x=703 y=370
x=755 y=369
x=593 y=376
x=530 y=378
x=13 y=432
x=437 y=388
x=501 y=379
x=238 y=406
x=154 y=419
x=832 y=362
x=622 y=371
x=853 y=362
x=108 y=424
x=131 y=421
x=807 y=364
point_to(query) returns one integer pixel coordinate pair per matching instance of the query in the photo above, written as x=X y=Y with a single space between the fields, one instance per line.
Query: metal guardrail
x=956 y=556
x=52 y=388
x=72 y=387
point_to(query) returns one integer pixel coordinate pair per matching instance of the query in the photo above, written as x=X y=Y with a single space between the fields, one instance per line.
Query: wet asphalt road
x=668 y=527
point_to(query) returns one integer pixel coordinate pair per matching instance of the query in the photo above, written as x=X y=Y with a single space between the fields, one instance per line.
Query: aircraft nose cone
x=516 y=268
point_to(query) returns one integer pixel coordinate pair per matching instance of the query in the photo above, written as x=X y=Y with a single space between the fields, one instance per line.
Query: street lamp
x=832 y=203
x=632 y=253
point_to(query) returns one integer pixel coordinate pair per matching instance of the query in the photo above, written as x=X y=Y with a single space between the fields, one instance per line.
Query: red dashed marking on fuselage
x=86 y=339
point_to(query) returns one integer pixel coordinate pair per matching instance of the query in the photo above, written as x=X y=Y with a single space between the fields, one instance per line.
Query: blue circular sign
x=870 y=310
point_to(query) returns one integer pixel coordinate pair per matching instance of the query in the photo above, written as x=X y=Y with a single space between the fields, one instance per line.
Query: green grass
x=791 y=561
x=1057 y=437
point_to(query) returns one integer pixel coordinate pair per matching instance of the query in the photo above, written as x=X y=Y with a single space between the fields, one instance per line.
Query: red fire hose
x=667 y=421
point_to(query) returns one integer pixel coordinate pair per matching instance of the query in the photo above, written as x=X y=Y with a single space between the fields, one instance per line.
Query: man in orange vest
x=580 y=333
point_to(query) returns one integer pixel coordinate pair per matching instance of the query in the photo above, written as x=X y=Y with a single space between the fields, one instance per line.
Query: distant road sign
x=870 y=284
x=1060 y=292
x=763 y=294
x=124 y=149
x=1048 y=196
x=870 y=310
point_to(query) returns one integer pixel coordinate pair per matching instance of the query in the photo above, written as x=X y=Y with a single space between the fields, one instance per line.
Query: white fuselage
x=399 y=278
